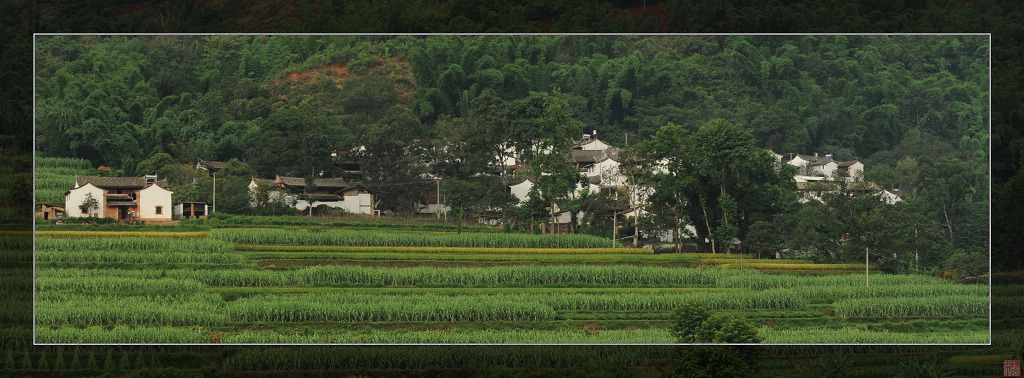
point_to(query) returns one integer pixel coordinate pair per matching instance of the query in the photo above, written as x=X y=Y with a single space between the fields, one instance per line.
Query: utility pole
x=437 y=178
x=214 y=191
x=867 y=280
x=615 y=228
x=917 y=259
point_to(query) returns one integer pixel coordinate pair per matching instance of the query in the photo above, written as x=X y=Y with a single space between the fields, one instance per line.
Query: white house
x=889 y=197
x=123 y=198
x=331 y=192
x=854 y=169
x=590 y=143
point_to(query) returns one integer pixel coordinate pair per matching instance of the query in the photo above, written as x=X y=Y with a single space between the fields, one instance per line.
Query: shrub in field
x=89 y=220
x=693 y=322
x=687 y=319
x=719 y=328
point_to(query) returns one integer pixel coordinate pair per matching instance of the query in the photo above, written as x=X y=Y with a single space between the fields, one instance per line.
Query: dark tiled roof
x=519 y=180
x=213 y=165
x=267 y=183
x=119 y=197
x=596 y=180
x=817 y=185
x=845 y=164
x=112 y=182
x=810 y=157
x=580 y=156
x=323 y=183
x=120 y=203
x=321 y=197
x=117 y=182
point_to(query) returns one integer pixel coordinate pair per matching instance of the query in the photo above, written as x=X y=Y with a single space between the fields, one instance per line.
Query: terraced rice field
x=336 y=286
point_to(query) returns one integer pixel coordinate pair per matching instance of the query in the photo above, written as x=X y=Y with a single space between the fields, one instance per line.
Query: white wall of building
x=595 y=145
x=73 y=200
x=150 y=198
x=857 y=170
x=798 y=162
x=303 y=205
x=432 y=208
x=522 y=190
x=824 y=170
x=357 y=204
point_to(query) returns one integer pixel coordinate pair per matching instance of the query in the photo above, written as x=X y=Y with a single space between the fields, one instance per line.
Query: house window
x=159 y=210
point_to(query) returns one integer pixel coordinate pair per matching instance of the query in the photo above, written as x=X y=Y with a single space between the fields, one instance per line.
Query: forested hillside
x=118 y=100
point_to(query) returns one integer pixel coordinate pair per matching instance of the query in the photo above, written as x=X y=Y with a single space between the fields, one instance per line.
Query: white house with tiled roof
x=122 y=198
x=331 y=192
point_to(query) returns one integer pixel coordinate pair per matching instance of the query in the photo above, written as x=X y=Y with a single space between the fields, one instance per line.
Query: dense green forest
x=914 y=109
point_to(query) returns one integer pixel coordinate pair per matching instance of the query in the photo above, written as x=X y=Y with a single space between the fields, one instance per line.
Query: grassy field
x=310 y=282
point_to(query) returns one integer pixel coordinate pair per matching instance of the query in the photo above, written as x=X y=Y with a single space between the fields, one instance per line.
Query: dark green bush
x=693 y=322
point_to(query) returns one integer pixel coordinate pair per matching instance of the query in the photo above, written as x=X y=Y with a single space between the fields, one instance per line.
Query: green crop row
x=141 y=335
x=446 y=250
x=950 y=305
x=345 y=308
x=814 y=287
x=42 y=163
x=641 y=336
x=481 y=307
x=123 y=285
x=892 y=291
x=370 y=238
x=136 y=257
x=571 y=275
x=759 y=280
x=172 y=310
x=468 y=257
x=120 y=234
x=134 y=244
x=857 y=336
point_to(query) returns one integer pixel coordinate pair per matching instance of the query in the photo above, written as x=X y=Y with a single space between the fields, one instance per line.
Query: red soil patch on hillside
x=331 y=68
x=395 y=67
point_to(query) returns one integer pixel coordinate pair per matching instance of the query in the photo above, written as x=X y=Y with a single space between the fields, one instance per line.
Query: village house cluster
x=148 y=199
